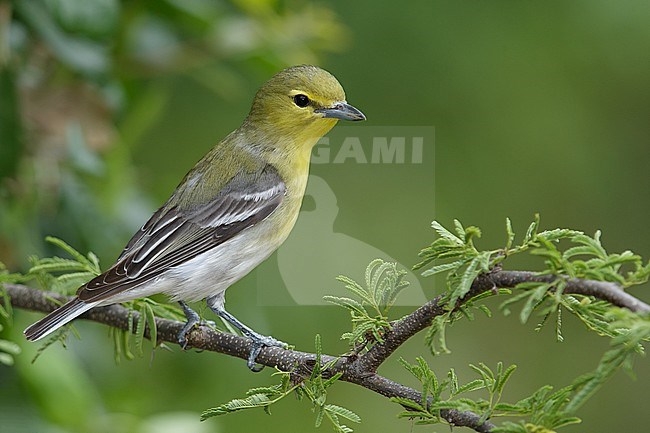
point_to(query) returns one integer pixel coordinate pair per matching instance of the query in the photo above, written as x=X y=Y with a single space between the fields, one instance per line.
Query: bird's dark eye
x=301 y=100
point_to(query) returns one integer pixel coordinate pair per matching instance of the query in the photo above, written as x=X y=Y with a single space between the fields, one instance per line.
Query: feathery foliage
x=370 y=305
x=565 y=254
x=313 y=388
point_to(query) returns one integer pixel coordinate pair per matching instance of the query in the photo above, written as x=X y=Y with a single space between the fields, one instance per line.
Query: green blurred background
x=537 y=107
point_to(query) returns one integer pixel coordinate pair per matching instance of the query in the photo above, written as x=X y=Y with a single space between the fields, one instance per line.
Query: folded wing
x=174 y=235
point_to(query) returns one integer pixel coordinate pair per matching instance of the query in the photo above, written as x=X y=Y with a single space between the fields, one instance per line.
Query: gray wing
x=173 y=236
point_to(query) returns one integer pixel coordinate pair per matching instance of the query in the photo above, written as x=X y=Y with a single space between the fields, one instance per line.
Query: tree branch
x=359 y=370
x=421 y=318
x=204 y=338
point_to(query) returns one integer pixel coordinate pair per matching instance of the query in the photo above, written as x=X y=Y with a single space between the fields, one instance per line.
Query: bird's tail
x=57 y=318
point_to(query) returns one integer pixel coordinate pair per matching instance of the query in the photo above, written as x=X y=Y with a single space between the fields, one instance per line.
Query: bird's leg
x=259 y=341
x=192 y=319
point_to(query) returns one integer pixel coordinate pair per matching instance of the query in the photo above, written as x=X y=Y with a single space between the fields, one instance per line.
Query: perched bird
x=229 y=213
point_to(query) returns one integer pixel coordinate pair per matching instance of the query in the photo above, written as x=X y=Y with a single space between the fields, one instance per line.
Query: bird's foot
x=260 y=342
x=193 y=319
x=182 y=335
x=187 y=328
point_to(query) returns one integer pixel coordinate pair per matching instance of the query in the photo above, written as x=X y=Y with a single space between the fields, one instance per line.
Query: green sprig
x=371 y=303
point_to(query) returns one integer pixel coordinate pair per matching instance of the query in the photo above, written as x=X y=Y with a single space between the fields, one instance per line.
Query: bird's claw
x=260 y=342
x=182 y=340
x=182 y=335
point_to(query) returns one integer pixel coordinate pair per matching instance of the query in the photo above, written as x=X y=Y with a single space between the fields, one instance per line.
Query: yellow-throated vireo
x=229 y=213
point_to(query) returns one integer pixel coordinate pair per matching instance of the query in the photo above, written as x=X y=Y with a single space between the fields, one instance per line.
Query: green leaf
x=470 y=233
x=349 y=303
x=435 y=338
x=446 y=234
x=473 y=385
x=479 y=264
x=355 y=288
x=76 y=255
x=503 y=377
x=9 y=347
x=6 y=359
x=413 y=369
x=485 y=372
x=8 y=350
x=558 y=326
x=268 y=390
x=531 y=233
x=563 y=422
x=250 y=402
x=557 y=234
x=410 y=404
x=443 y=268
x=76 y=278
x=327 y=383
x=343 y=412
x=151 y=323
x=593 y=243
x=57 y=264
x=534 y=298
x=460 y=230
x=510 y=408
x=510 y=234
x=577 y=251
x=125 y=342
x=139 y=331
x=453 y=381
x=320 y=412
x=370 y=275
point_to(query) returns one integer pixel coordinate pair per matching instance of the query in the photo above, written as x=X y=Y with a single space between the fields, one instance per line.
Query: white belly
x=212 y=272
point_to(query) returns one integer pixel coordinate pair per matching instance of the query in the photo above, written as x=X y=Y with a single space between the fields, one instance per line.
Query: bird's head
x=303 y=102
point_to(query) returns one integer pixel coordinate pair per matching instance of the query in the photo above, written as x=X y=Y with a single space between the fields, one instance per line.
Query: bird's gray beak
x=342 y=110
